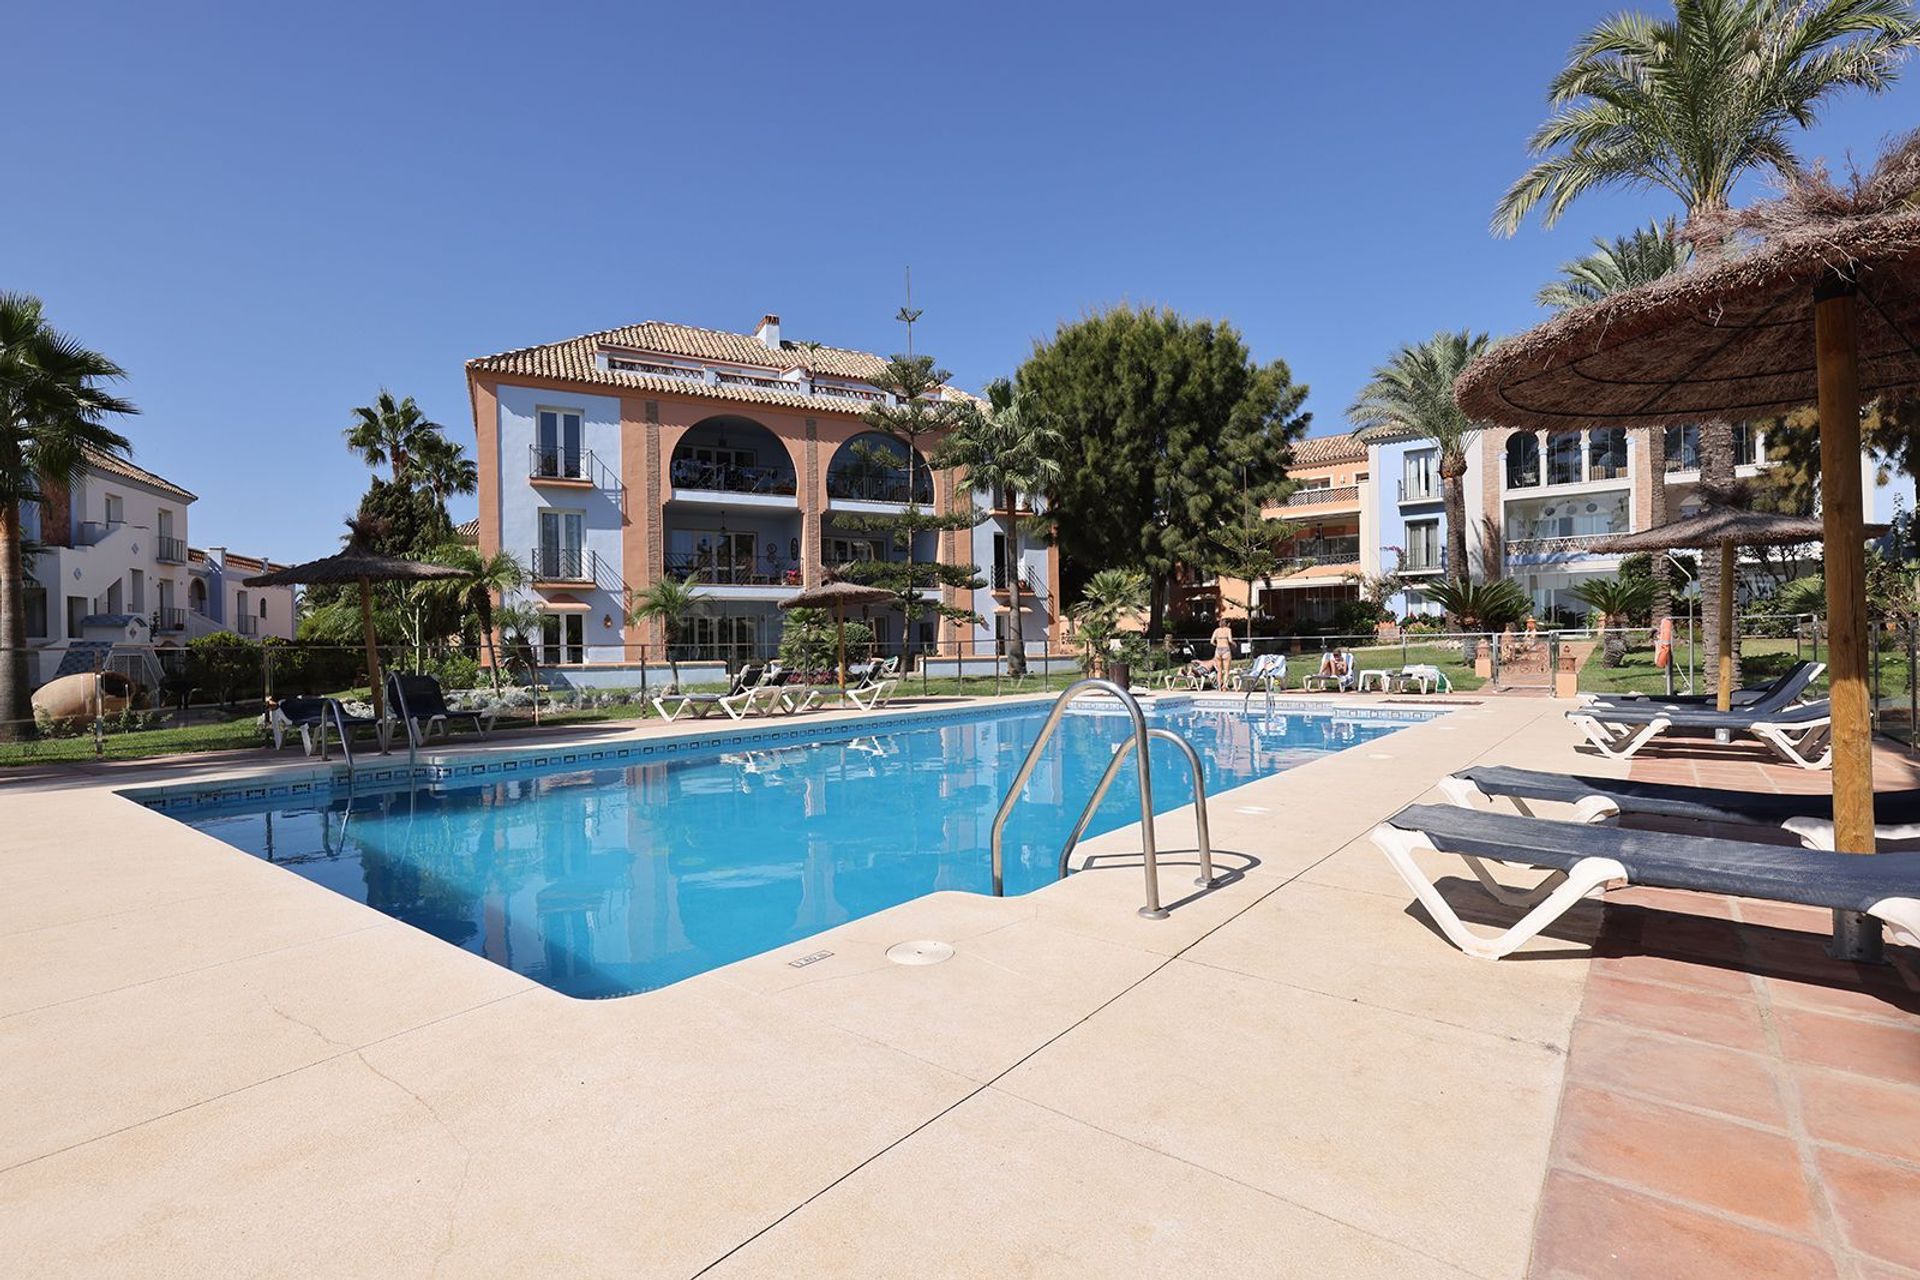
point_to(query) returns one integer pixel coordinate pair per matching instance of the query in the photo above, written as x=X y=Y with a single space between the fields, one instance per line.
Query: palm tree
x=1616 y=265
x=441 y=467
x=1411 y=397
x=1618 y=601
x=482 y=578
x=1624 y=262
x=1010 y=449
x=1109 y=596
x=390 y=432
x=52 y=412
x=1693 y=104
x=670 y=602
x=1480 y=606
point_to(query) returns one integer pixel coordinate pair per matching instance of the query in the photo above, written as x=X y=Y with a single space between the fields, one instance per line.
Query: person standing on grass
x=1223 y=652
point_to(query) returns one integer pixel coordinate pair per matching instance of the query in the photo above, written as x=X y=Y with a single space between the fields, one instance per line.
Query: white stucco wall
x=521 y=502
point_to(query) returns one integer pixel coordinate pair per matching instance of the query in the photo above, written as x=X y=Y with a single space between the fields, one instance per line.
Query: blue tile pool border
x=443 y=767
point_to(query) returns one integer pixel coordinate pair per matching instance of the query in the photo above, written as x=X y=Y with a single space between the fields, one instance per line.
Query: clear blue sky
x=267 y=213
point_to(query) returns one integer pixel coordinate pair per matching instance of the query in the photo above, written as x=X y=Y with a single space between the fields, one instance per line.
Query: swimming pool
x=615 y=880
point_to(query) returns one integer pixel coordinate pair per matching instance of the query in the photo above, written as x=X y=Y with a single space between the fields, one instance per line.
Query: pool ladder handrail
x=1137 y=744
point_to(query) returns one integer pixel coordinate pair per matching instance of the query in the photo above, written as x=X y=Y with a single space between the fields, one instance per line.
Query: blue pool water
x=620 y=880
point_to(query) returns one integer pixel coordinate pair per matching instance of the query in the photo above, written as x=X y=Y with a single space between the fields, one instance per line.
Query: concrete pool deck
x=215 y=1067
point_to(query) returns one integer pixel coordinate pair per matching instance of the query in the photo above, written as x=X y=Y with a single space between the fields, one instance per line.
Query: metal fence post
x=99 y=711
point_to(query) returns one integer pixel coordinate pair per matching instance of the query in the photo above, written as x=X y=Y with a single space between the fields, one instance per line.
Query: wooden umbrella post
x=1728 y=564
x=840 y=625
x=1855 y=936
x=373 y=649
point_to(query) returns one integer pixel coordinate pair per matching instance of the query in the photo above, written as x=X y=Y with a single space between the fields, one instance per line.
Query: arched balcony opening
x=1523 y=460
x=732 y=454
x=872 y=467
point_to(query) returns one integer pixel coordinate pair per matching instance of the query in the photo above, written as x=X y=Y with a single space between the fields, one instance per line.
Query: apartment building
x=1538 y=503
x=112 y=571
x=610 y=460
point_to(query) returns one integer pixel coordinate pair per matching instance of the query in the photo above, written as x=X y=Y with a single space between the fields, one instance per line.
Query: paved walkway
x=1738 y=1103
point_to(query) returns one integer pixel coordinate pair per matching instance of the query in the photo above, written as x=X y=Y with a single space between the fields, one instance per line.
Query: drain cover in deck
x=919 y=952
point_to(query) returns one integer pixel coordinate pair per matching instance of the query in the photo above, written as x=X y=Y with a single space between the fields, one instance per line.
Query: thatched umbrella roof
x=1732 y=340
x=1820 y=304
x=358 y=564
x=1722 y=527
x=354 y=564
x=839 y=596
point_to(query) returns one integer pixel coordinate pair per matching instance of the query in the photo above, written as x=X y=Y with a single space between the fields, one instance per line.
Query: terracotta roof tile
x=1320 y=450
x=108 y=464
x=577 y=360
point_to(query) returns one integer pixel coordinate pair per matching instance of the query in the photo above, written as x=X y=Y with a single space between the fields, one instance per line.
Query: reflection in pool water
x=621 y=880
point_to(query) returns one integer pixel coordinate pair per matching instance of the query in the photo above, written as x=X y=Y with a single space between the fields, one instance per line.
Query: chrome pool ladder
x=1137 y=745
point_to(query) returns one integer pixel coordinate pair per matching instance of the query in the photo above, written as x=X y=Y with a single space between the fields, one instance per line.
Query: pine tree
x=1167 y=422
x=918 y=419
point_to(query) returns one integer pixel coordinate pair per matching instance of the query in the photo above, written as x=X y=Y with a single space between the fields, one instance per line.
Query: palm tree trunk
x=1716 y=468
x=1656 y=514
x=16 y=709
x=1017 y=655
x=1453 y=495
x=493 y=653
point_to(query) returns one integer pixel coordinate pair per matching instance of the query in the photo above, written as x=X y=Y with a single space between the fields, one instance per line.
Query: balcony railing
x=546 y=463
x=247 y=625
x=1419 y=490
x=704 y=568
x=1346 y=493
x=692 y=473
x=1424 y=564
x=1573 y=544
x=859 y=486
x=169 y=619
x=170 y=550
x=1030 y=583
x=563 y=564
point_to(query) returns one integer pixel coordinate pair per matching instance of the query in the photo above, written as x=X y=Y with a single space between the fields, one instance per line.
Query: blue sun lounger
x=1582 y=858
x=1605 y=800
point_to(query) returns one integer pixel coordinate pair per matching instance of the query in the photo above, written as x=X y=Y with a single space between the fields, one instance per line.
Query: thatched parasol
x=356 y=563
x=1824 y=308
x=1725 y=528
x=839 y=597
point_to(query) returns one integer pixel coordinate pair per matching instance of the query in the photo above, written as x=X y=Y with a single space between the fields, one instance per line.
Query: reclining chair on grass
x=1581 y=858
x=1778 y=692
x=1267 y=672
x=1803 y=733
x=313 y=717
x=733 y=701
x=419 y=703
x=1608 y=800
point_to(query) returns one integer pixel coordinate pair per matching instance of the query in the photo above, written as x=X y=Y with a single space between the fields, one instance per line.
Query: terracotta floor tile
x=1673 y=900
x=1714 y=1017
x=1850 y=1044
x=1618 y=961
x=1786 y=915
x=1709 y=1162
x=1856 y=1112
x=1590 y=1229
x=1698 y=1075
x=1874 y=1201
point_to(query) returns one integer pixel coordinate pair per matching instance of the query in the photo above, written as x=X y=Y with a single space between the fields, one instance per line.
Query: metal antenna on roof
x=909 y=313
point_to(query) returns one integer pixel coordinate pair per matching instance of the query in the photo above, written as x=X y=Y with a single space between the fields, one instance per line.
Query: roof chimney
x=769 y=332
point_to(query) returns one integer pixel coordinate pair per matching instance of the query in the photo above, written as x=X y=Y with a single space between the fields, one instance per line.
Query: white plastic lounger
x=703 y=705
x=1608 y=800
x=1802 y=734
x=877 y=694
x=1778 y=692
x=1582 y=858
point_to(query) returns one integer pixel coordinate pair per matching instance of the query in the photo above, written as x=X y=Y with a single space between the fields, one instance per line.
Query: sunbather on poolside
x=1222 y=654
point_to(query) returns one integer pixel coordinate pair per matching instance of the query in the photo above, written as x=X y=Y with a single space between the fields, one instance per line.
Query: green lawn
x=1760 y=659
